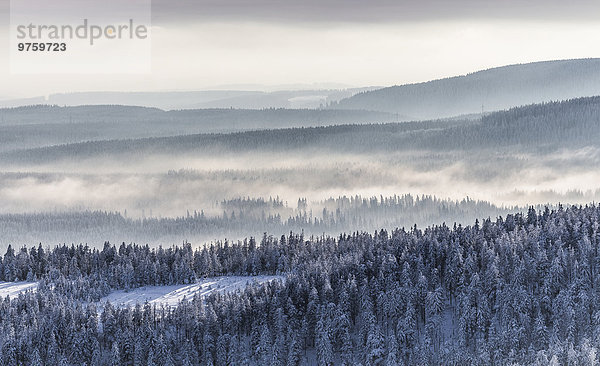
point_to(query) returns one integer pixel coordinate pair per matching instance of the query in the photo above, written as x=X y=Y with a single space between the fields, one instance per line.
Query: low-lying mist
x=533 y=155
x=170 y=186
x=242 y=218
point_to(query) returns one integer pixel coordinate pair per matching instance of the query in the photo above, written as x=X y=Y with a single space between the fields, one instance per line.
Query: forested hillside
x=241 y=183
x=518 y=290
x=572 y=123
x=43 y=125
x=493 y=89
x=528 y=155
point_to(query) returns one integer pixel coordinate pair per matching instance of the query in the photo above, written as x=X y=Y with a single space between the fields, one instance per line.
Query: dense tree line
x=342 y=136
x=86 y=273
x=518 y=290
x=236 y=218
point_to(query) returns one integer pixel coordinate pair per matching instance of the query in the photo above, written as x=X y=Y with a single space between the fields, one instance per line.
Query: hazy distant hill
x=493 y=89
x=170 y=100
x=569 y=123
x=37 y=126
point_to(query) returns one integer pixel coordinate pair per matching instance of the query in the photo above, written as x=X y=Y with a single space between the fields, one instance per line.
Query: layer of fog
x=172 y=185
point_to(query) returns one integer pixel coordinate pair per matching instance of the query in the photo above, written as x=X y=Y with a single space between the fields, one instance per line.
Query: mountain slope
x=493 y=89
x=549 y=125
x=38 y=126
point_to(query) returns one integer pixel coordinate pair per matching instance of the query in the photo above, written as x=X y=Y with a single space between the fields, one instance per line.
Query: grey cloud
x=167 y=11
x=352 y=11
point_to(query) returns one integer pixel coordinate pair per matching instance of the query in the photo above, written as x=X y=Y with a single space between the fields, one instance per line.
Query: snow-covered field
x=172 y=295
x=167 y=295
x=12 y=289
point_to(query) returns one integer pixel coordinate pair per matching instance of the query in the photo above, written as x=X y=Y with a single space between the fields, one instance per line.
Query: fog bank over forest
x=140 y=163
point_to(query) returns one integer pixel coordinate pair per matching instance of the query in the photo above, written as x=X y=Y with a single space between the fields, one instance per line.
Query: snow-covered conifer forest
x=371 y=230
x=516 y=290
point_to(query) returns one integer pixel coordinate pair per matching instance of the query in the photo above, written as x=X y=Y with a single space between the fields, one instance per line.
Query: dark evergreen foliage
x=522 y=289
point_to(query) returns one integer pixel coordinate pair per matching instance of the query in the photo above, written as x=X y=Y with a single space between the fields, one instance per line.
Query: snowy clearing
x=172 y=295
x=12 y=289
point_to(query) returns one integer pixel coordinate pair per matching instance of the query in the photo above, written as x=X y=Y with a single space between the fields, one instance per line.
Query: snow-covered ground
x=12 y=289
x=172 y=295
x=167 y=295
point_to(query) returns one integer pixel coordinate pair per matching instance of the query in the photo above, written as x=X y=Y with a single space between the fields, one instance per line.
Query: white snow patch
x=172 y=295
x=13 y=289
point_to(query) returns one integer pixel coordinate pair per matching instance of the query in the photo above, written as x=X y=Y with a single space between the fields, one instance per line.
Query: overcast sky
x=360 y=11
x=204 y=44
